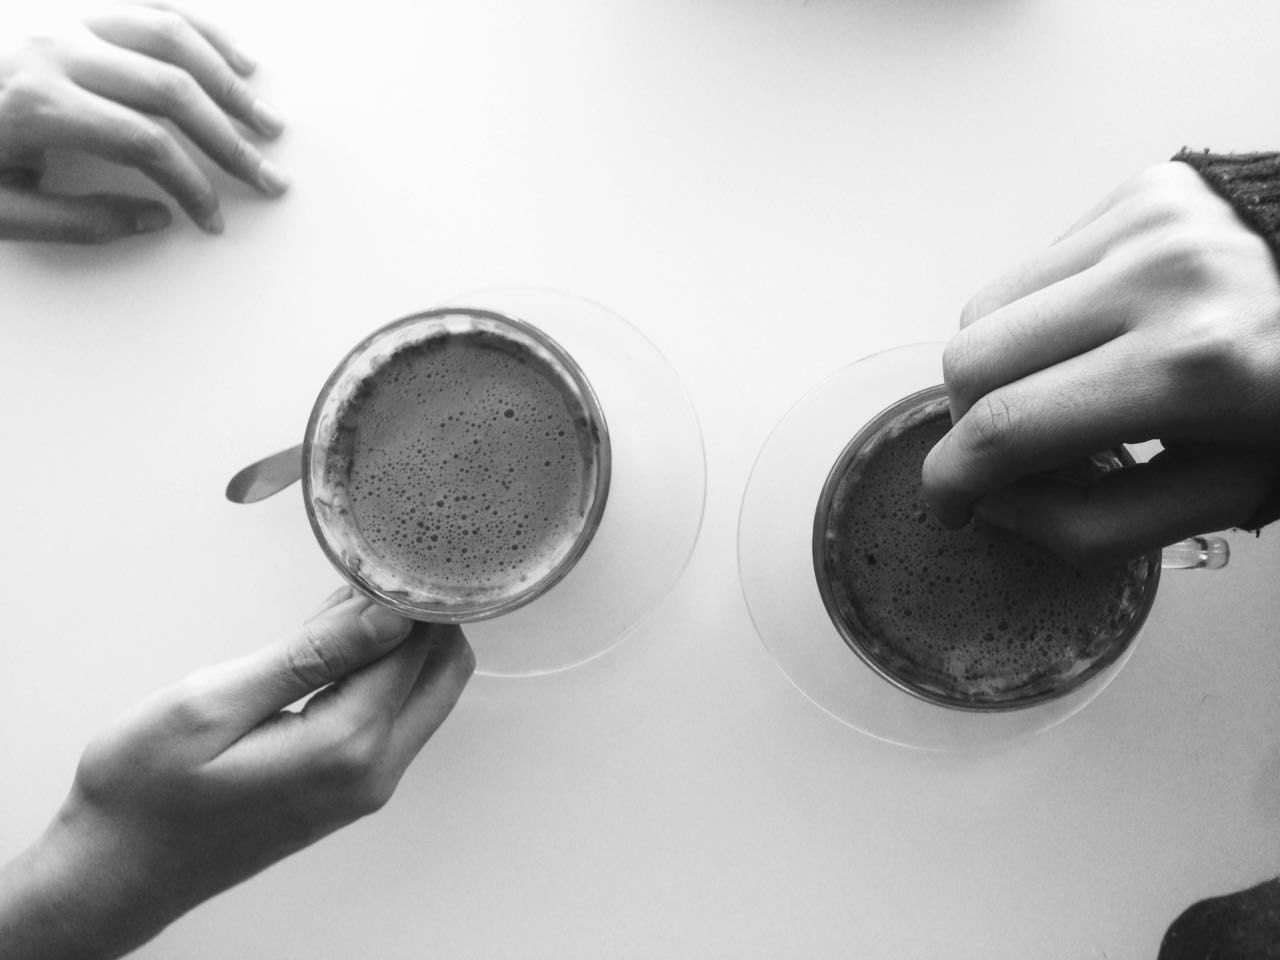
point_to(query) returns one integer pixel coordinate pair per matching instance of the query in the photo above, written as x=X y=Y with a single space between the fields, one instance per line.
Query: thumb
x=27 y=214
x=230 y=699
x=1128 y=512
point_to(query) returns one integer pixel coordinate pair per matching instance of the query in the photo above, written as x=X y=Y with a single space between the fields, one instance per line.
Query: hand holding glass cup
x=947 y=689
x=520 y=461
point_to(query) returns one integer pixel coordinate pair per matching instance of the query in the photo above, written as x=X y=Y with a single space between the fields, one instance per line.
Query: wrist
x=38 y=917
x=67 y=898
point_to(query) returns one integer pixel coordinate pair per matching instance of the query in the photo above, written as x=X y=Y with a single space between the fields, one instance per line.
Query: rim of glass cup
x=440 y=613
x=821 y=515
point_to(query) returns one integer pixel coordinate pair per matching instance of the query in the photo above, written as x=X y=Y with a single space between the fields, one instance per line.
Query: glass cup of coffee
x=910 y=632
x=976 y=618
x=518 y=459
x=456 y=464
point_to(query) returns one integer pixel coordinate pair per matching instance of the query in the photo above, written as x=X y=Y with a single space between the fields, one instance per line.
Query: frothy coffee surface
x=974 y=616
x=467 y=467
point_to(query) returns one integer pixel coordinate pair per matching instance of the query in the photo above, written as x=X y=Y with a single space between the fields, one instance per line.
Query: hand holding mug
x=102 y=87
x=1157 y=316
x=211 y=780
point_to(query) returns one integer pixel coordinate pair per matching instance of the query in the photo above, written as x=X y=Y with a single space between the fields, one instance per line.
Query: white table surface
x=769 y=190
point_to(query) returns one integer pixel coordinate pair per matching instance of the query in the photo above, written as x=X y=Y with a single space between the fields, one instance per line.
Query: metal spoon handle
x=270 y=475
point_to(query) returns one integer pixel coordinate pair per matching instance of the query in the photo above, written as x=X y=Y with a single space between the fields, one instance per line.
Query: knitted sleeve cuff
x=1250 y=182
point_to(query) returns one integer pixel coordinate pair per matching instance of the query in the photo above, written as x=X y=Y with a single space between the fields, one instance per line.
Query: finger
x=345 y=730
x=94 y=218
x=1112 y=395
x=1128 y=512
x=219 y=39
x=341 y=595
x=155 y=88
x=1064 y=259
x=240 y=694
x=449 y=665
x=107 y=129
x=343 y=748
x=1038 y=330
x=170 y=37
x=377 y=691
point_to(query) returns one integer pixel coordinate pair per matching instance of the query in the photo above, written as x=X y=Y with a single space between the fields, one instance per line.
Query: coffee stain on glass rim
x=360 y=363
x=915 y=686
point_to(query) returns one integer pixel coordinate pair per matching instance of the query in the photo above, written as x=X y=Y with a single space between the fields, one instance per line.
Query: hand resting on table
x=103 y=87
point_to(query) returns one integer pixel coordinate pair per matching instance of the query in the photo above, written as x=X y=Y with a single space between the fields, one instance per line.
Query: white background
x=769 y=189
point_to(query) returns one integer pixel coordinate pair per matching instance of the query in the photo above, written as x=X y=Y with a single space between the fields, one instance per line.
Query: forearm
x=55 y=904
x=35 y=923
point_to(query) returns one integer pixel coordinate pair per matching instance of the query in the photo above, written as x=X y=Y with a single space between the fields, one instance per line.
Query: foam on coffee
x=976 y=616
x=463 y=465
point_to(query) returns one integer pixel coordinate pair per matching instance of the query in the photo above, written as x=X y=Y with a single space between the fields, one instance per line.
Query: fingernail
x=151 y=218
x=214 y=223
x=271 y=177
x=244 y=62
x=384 y=624
x=331 y=601
x=266 y=119
x=997 y=511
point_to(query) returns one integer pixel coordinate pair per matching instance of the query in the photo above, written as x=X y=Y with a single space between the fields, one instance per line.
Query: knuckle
x=374 y=794
x=23 y=98
x=1157 y=200
x=242 y=156
x=992 y=424
x=235 y=92
x=354 y=760
x=317 y=656
x=1185 y=254
x=1162 y=181
x=1173 y=256
x=958 y=363
x=148 y=145
x=96 y=773
x=175 y=88
x=169 y=29
x=1207 y=353
x=44 y=51
x=191 y=706
x=41 y=43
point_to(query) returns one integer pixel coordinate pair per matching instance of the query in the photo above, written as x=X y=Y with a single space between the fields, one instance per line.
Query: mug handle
x=1196 y=553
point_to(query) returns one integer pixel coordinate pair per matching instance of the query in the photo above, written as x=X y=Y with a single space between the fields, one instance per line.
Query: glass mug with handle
x=974 y=619
x=782 y=527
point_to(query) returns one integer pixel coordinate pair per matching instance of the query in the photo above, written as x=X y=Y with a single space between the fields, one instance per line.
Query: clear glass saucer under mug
x=652 y=512
x=776 y=568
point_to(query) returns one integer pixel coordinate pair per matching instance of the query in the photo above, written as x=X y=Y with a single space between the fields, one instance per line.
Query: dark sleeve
x=1250 y=182
x=1244 y=925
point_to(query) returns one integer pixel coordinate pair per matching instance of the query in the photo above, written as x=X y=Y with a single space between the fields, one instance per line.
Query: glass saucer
x=775 y=565
x=655 y=501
